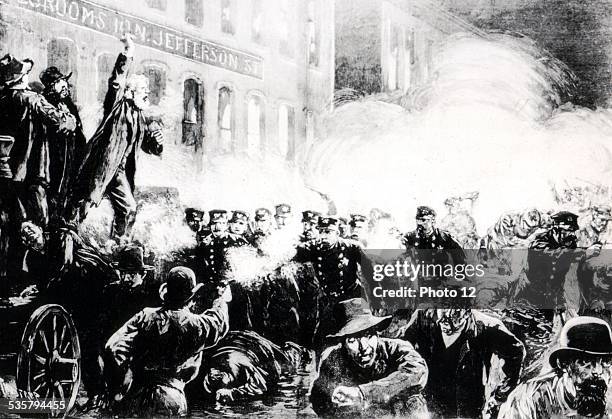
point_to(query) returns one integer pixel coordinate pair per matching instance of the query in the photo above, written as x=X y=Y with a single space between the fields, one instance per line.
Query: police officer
x=239 y=227
x=194 y=219
x=310 y=222
x=262 y=227
x=211 y=258
x=335 y=261
x=428 y=237
x=282 y=215
x=343 y=227
x=359 y=228
x=550 y=256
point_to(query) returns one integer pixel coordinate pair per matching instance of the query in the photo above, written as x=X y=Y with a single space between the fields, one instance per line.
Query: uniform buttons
x=341 y=273
x=320 y=258
x=433 y=245
x=552 y=277
x=416 y=243
x=211 y=257
x=341 y=255
x=320 y=273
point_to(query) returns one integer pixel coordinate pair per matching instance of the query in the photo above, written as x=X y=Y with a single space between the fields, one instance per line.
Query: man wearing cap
x=551 y=255
x=65 y=149
x=25 y=116
x=262 y=227
x=336 y=262
x=344 y=228
x=367 y=375
x=211 y=258
x=239 y=227
x=162 y=348
x=194 y=219
x=592 y=233
x=310 y=222
x=444 y=249
x=578 y=382
x=109 y=163
x=359 y=228
x=458 y=345
x=282 y=215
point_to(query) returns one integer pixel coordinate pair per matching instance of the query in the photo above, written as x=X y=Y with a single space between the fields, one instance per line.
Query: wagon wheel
x=49 y=358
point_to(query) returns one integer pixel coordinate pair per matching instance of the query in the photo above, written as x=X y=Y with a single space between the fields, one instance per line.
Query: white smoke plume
x=493 y=120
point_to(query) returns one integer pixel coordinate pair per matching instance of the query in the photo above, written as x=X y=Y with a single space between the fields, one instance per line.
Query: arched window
x=227 y=17
x=312 y=26
x=225 y=118
x=286 y=131
x=194 y=12
x=61 y=53
x=255 y=124
x=157 y=83
x=105 y=65
x=193 y=109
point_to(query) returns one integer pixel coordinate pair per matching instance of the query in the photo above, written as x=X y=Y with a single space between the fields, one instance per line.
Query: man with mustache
x=432 y=244
x=336 y=262
x=310 y=220
x=65 y=149
x=359 y=228
x=458 y=345
x=578 y=382
x=366 y=375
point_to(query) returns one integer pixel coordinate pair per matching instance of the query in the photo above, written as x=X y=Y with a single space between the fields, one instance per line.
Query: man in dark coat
x=65 y=150
x=25 y=116
x=457 y=345
x=162 y=347
x=432 y=244
x=109 y=165
x=367 y=375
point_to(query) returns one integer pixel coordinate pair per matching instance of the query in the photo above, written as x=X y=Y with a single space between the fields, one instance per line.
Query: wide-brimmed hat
x=131 y=259
x=354 y=316
x=51 y=75
x=583 y=336
x=180 y=286
x=12 y=69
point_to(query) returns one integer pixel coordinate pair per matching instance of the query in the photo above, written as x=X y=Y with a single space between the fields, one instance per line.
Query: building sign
x=111 y=22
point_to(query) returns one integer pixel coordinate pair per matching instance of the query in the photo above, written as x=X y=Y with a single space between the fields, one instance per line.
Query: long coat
x=24 y=115
x=484 y=336
x=115 y=144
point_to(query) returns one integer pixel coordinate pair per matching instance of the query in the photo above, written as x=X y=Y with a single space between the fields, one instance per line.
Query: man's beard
x=591 y=397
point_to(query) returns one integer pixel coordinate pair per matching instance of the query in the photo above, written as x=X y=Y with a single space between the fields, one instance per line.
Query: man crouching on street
x=162 y=348
x=367 y=375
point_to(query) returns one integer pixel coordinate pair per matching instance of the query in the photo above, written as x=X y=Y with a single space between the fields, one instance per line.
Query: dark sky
x=579 y=32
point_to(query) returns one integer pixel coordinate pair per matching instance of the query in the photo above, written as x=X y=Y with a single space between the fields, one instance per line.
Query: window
x=255 y=124
x=157 y=83
x=393 y=61
x=312 y=27
x=62 y=54
x=257 y=21
x=192 y=112
x=156 y=4
x=194 y=12
x=284 y=27
x=106 y=63
x=227 y=25
x=286 y=131
x=225 y=118
x=310 y=127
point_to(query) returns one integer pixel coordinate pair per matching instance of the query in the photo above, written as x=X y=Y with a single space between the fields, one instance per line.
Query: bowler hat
x=583 y=336
x=51 y=75
x=12 y=69
x=6 y=144
x=566 y=217
x=354 y=316
x=131 y=259
x=180 y=286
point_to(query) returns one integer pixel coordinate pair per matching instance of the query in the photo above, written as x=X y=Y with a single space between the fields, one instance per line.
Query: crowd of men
x=439 y=362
